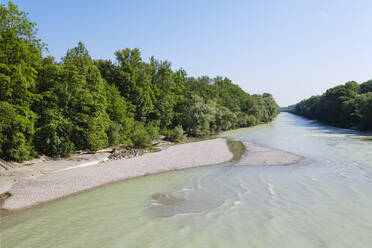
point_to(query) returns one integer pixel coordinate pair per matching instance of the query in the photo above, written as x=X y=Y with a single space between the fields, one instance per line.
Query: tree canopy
x=347 y=106
x=78 y=103
x=20 y=56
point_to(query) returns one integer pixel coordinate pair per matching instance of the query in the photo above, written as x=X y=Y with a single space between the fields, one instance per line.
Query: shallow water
x=325 y=201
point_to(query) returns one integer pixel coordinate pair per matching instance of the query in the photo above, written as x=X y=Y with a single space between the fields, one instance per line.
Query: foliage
x=347 y=106
x=140 y=136
x=54 y=107
x=365 y=87
x=175 y=134
x=364 y=110
x=16 y=131
x=178 y=133
x=152 y=129
x=20 y=54
x=54 y=136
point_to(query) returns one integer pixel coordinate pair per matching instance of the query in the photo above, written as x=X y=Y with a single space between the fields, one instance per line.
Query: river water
x=324 y=201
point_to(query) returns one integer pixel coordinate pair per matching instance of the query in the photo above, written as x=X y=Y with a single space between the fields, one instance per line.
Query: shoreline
x=28 y=192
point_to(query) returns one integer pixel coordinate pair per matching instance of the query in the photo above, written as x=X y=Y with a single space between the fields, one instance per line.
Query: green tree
x=74 y=109
x=16 y=132
x=54 y=107
x=20 y=54
x=364 y=110
x=365 y=87
x=345 y=106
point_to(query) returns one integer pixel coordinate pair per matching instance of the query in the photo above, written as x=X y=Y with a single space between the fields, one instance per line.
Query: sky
x=292 y=49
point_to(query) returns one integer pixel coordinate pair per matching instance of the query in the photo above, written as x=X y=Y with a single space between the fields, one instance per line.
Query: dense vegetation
x=347 y=106
x=54 y=107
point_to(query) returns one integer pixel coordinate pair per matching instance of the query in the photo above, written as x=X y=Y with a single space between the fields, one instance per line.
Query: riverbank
x=31 y=191
x=60 y=179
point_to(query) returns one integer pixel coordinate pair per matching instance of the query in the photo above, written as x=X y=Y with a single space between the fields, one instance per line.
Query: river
x=324 y=201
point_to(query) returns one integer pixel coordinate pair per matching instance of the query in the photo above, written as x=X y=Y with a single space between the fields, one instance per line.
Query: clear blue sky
x=290 y=48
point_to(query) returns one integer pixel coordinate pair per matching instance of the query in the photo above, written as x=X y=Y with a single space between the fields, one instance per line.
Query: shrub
x=152 y=129
x=167 y=133
x=251 y=121
x=113 y=134
x=140 y=136
x=178 y=133
x=175 y=134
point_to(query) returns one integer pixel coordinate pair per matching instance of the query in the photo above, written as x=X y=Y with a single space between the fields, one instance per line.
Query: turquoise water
x=325 y=201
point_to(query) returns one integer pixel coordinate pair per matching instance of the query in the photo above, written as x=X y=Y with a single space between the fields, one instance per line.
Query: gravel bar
x=259 y=155
x=28 y=192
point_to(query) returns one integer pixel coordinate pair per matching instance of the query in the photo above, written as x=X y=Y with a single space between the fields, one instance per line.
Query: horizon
x=288 y=49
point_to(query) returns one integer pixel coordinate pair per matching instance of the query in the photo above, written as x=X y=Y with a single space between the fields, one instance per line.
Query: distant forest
x=55 y=107
x=346 y=106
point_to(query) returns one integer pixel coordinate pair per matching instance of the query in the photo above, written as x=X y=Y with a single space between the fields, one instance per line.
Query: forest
x=78 y=103
x=346 y=106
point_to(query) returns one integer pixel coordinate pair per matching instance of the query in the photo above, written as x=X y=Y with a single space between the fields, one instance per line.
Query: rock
x=128 y=152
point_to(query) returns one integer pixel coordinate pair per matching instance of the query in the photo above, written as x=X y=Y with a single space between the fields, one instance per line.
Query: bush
x=152 y=130
x=176 y=134
x=167 y=133
x=140 y=136
x=251 y=121
x=113 y=134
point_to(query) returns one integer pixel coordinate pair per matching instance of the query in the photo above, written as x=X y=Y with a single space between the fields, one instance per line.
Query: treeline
x=347 y=106
x=55 y=107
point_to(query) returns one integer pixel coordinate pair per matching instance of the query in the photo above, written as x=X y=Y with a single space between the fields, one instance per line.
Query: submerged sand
x=30 y=191
x=259 y=155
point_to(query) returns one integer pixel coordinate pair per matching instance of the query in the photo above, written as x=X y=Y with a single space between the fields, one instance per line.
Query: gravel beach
x=259 y=155
x=31 y=191
x=69 y=178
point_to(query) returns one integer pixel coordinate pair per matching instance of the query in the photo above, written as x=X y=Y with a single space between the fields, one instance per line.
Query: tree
x=20 y=55
x=345 y=106
x=16 y=132
x=53 y=108
x=364 y=110
x=365 y=87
